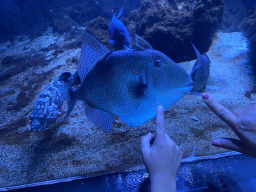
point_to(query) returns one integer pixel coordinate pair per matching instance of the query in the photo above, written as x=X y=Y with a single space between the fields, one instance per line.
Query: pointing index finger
x=160 y=129
x=222 y=112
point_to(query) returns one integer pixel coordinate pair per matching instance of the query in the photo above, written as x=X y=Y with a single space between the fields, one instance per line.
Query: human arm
x=163 y=158
x=242 y=121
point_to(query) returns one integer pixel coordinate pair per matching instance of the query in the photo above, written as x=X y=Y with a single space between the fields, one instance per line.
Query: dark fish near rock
x=129 y=83
x=119 y=35
x=200 y=72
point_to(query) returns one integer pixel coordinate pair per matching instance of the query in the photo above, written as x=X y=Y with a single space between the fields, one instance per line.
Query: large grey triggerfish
x=129 y=83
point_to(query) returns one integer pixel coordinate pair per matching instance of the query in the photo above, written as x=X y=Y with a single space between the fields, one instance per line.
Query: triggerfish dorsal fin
x=141 y=43
x=69 y=80
x=120 y=13
x=197 y=64
x=74 y=80
x=200 y=72
x=197 y=52
x=91 y=52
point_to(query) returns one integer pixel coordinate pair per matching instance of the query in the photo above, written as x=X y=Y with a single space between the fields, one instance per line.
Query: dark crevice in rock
x=13 y=65
x=28 y=92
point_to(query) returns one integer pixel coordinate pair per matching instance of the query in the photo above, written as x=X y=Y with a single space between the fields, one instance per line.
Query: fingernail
x=215 y=143
x=205 y=96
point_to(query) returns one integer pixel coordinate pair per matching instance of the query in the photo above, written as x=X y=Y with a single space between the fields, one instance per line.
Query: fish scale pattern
x=111 y=85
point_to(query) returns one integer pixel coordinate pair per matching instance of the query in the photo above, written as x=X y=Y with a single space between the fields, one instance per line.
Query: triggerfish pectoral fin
x=140 y=87
x=102 y=120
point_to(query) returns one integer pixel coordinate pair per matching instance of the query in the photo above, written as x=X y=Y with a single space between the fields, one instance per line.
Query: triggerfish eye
x=158 y=63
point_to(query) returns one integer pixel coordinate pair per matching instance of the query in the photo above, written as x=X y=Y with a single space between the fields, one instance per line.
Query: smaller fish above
x=200 y=72
x=119 y=35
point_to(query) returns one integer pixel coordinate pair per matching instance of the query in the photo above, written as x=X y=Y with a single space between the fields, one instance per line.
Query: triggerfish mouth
x=129 y=83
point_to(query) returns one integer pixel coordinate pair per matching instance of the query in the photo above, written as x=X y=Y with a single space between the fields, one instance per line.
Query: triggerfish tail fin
x=193 y=153
x=66 y=81
x=102 y=120
x=191 y=158
x=73 y=80
x=70 y=101
x=52 y=104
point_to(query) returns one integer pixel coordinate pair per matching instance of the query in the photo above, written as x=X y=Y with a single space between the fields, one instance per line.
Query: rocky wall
x=249 y=29
x=171 y=28
x=33 y=17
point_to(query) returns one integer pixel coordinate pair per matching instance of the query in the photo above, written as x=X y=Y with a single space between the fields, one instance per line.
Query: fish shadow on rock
x=119 y=137
x=11 y=134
